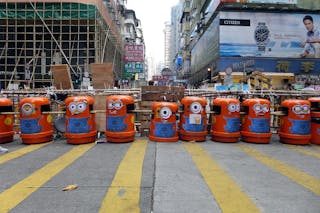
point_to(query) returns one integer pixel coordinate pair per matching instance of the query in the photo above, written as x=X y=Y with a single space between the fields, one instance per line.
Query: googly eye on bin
x=257 y=108
x=81 y=106
x=297 y=109
x=118 y=104
x=234 y=107
x=305 y=109
x=195 y=107
x=72 y=107
x=27 y=109
x=265 y=108
x=238 y=107
x=110 y=105
x=165 y=112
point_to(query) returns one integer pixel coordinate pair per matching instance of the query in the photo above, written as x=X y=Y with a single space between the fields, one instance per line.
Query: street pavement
x=146 y=176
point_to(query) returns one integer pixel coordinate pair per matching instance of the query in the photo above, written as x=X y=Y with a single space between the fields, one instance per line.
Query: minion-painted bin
x=315 y=120
x=295 y=125
x=193 y=119
x=164 y=122
x=36 y=126
x=120 y=119
x=80 y=122
x=256 y=121
x=6 y=121
x=226 y=120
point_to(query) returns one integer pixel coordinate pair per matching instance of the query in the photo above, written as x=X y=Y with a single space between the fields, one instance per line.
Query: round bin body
x=256 y=121
x=315 y=120
x=226 y=120
x=295 y=125
x=120 y=119
x=35 y=126
x=193 y=119
x=6 y=121
x=80 y=122
x=164 y=122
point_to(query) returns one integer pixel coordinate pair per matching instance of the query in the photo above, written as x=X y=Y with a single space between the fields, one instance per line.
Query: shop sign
x=133 y=67
x=289 y=65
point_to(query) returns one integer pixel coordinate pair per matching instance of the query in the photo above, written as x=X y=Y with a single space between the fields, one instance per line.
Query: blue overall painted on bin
x=300 y=127
x=260 y=125
x=30 y=126
x=193 y=127
x=164 y=130
x=233 y=124
x=116 y=123
x=78 y=125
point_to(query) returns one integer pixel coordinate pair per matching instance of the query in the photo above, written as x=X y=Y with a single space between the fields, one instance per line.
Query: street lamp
x=209 y=74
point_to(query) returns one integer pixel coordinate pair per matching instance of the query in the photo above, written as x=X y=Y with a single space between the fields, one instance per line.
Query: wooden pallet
x=144 y=117
x=162 y=93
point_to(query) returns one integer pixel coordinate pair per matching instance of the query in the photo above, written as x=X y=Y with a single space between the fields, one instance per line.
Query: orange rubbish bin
x=295 y=125
x=164 y=122
x=226 y=120
x=256 y=121
x=36 y=126
x=315 y=120
x=120 y=118
x=80 y=122
x=6 y=121
x=193 y=119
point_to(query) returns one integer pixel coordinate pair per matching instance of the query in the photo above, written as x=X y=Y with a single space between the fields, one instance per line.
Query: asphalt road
x=146 y=176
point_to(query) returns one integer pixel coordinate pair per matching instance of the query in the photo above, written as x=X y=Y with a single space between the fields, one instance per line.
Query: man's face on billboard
x=308 y=24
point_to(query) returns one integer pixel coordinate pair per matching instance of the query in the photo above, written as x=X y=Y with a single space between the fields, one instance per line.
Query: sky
x=153 y=14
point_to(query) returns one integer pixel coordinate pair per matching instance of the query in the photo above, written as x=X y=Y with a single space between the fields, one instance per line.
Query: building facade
x=36 y=34
x=135 y=65
x=167 y=43
x=185 y=33
x=248 y=36
x=175 y=37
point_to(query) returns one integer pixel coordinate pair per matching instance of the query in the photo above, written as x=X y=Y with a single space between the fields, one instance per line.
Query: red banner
x=134 y=53
x=160 y=78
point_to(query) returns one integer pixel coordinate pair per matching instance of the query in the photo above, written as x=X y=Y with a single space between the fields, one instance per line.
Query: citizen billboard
x=277 y=35
x=261 y=1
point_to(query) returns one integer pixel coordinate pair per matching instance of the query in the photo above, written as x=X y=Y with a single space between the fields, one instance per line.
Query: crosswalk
x=124 y=193
x=146 y=176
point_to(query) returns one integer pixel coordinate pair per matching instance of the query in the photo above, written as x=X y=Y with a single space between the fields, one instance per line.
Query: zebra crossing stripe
x=227 y=193
x=11 y=197
x=124 y=193
x=304 y=151
x=18 y=153
x=299 y=177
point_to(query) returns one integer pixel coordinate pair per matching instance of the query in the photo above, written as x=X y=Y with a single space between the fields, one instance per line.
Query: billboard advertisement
x=277 y=35
x=134 y=53
x=262 y=1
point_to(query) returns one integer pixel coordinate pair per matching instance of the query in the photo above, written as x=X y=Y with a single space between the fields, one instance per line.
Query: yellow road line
x=20 y=191
x=15 y=154
x=304 y=151
x=227 y=193
x=124 y=193
x=316 y=147
x=299 y=177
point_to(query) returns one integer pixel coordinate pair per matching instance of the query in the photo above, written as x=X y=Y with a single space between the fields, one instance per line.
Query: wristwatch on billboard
x=261 y=35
